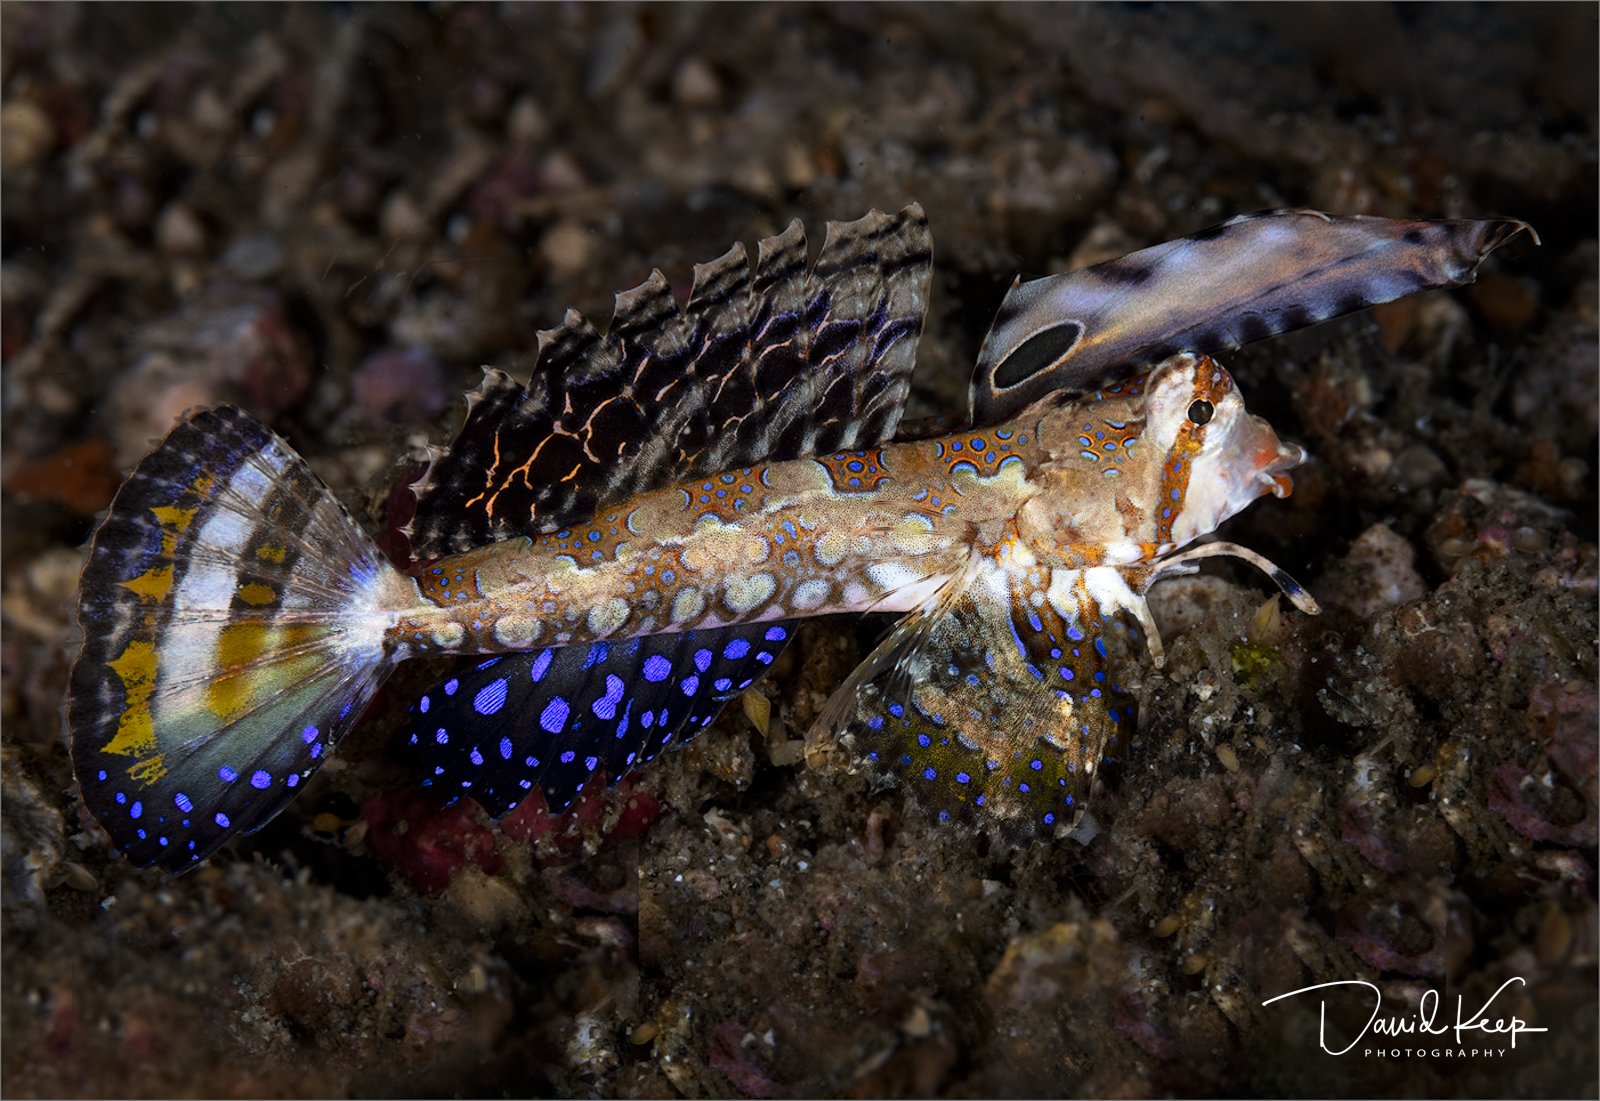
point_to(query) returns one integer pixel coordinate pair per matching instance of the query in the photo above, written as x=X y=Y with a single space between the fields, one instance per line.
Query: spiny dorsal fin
x=759 y=366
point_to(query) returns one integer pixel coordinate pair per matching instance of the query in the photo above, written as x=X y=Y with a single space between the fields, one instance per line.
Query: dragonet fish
x=630 y=537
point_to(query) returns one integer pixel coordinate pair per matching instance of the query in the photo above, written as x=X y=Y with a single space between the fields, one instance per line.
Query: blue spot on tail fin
x=224 y=652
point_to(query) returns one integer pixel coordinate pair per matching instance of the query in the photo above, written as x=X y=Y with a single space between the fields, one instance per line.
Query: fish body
x=629 y=538
x=1117 y=479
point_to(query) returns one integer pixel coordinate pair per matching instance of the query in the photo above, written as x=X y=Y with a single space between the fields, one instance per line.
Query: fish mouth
x=1274 y=475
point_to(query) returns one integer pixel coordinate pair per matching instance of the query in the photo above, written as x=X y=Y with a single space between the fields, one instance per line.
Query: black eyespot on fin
x=1040 y=352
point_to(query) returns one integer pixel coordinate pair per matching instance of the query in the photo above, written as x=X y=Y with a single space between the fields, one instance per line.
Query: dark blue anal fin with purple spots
x=551 y=719
x=1001 y=707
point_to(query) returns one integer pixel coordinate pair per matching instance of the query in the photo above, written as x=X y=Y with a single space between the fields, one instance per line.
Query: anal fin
x=551 y=719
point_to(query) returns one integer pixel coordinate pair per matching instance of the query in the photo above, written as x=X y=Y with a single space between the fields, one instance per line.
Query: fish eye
x=1200 y=412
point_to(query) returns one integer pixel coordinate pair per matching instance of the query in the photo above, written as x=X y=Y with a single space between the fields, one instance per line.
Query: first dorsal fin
x=762 y=364
x=1247 y=279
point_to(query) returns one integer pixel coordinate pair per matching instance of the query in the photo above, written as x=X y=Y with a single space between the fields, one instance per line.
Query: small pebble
x=27 y=135
x=179 y=232
x=568 y=247
x=1530 y=540
x=758 y=709
x=1423 y=776
x=696 y=85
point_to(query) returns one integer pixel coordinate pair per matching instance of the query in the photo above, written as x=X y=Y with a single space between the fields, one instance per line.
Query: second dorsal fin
x=761 y=365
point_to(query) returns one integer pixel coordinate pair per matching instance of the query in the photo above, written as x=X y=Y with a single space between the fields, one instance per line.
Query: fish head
x=1216 y=456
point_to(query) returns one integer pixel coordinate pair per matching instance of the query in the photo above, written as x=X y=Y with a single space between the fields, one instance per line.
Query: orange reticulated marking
x=240 y=646
x=451 y=580
x=269 y=553
x=855 y=471
x=731 y=496
x=136 y=666
x=1211 y=384
x=257 y=594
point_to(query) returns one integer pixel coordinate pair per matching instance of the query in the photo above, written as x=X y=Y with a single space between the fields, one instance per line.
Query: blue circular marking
x=136 y=810
x=929 y=774
x=491 y=697
x=553 y=719
x=505 y=749
x=184 y=803
x=736 y=649
x=656 y=668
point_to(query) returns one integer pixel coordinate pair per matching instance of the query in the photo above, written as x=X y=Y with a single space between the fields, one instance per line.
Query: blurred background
x=333 y=215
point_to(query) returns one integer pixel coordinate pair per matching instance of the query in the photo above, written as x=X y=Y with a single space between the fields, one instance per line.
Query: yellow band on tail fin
x=233 y=617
